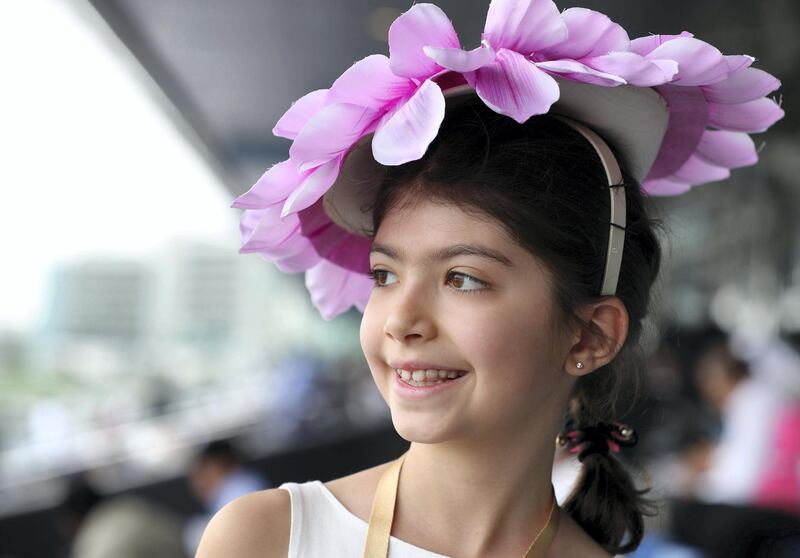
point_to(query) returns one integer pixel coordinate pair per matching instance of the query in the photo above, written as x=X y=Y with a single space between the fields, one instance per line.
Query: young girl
x=468 y=203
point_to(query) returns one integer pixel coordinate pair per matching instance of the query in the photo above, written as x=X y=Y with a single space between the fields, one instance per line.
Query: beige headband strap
x=616 y=229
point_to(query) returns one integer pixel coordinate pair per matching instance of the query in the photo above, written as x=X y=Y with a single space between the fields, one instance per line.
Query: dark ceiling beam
x=209 y=145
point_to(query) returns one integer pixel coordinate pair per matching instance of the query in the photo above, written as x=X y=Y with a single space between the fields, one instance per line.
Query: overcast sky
x=90 y=163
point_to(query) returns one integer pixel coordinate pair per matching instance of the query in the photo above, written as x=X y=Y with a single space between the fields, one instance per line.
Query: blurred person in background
x=217 y=476
x=671 y=421
x=296 y=397
x=686 y=431
x=779 y=485
x=719 y=505
x=730 y=469
x=96 y=526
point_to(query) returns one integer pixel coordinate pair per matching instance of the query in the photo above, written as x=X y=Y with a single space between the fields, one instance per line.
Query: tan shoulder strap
x=382 y=514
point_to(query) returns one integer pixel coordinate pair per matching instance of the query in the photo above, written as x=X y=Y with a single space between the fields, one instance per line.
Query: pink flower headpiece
x=678 y=109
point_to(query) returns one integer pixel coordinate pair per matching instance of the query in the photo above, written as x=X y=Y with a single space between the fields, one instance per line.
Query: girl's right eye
x=379 y=277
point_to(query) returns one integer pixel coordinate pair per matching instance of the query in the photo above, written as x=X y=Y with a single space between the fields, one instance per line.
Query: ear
x=609 y=316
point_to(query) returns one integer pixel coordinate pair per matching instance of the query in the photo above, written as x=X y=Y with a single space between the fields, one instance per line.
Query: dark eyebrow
x=445 y=253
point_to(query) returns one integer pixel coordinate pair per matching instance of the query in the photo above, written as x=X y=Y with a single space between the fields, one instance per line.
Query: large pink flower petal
x=284 y=248
x=514 y=86
x=460 y=60
x=301 y=261
x=263 y=229
x=688 y=115
x=276 y=239
x=422 y=25
x=343 y=253
x=590 y=34
x=727 y=149
x=335 y=289
x=298 y=241
x=696 y=171
x=645 y=45
x=738 y=62
x=330 y=132
x=370 y=83
x=524 y=26
x=293 y=255
x=333 y=242
x=699 y=63
x=313 y=187
x=634 y=68
x=404 y=134
x=745 y=85
x=576 y=71
x=248 y=223
x=351 y=253
x=301 y=111
x=752 y=116
x=665 y=186
x=274 y=186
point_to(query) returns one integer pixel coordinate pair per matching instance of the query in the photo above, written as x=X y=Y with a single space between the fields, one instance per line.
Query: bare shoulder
x=573 y=542
x=256 y=524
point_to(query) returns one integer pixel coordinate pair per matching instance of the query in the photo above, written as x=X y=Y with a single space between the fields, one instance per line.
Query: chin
x=418 y=435
x=417 y=427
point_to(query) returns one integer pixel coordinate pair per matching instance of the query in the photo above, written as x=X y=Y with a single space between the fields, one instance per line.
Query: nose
x=409 y=318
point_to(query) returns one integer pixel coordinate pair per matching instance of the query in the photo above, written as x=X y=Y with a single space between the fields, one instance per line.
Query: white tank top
x=323 y=528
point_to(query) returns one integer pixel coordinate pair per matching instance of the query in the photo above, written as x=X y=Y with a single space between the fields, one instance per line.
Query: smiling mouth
x=423 y=378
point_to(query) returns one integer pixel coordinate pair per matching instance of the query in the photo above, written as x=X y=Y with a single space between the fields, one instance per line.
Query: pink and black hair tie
x=601 y=438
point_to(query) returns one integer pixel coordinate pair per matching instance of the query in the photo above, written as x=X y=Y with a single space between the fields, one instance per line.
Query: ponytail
x=605 y=501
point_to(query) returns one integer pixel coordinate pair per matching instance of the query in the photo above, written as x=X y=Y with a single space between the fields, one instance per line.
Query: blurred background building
x=133 y=334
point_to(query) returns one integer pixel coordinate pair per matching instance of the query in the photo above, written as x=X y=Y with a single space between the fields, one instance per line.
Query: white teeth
x=420 y=384
x=427 y=377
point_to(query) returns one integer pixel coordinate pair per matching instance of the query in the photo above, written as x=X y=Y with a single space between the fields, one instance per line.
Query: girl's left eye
x=458 y=280
x=379 y=276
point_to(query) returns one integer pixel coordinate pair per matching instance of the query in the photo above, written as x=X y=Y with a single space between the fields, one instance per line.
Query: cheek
x=513 y=342
x=370 y=334
x=504 y=334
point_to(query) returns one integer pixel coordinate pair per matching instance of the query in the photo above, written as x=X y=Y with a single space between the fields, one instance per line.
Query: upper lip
x=412 y=365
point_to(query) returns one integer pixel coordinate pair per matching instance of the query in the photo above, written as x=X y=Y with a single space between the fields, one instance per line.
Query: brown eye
x=459 y=280
x=379 y=277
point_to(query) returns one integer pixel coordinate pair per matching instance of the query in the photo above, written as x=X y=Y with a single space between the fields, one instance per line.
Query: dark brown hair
x=544 y=183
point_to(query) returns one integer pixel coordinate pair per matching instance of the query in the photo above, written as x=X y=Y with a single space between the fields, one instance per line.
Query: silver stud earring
x=579 y=364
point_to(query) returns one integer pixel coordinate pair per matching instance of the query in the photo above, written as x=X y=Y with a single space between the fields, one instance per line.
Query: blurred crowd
x=721 y=446
x=718 y=420
x=95 y=526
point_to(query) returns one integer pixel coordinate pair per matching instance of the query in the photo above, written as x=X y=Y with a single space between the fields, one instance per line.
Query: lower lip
x=415 y=392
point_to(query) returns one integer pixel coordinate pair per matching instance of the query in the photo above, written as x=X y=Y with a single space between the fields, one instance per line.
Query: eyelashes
x=378 y=275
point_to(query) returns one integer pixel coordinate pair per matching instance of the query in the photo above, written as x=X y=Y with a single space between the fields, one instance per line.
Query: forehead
x=433 y=230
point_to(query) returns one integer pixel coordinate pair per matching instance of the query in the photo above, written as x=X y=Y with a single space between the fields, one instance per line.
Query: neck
x=491 y=497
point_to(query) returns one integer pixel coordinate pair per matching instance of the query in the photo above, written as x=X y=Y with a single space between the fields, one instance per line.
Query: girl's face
x=454 y=291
